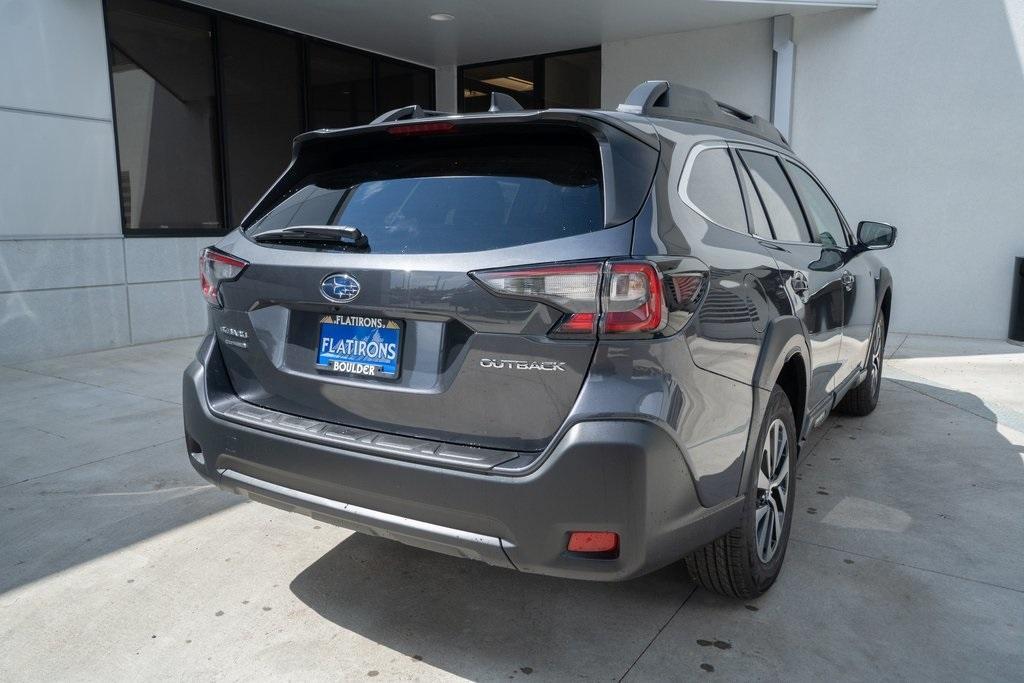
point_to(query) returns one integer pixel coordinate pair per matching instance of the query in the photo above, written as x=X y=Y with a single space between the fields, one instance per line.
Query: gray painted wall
x=910 y=113
x=732 y=62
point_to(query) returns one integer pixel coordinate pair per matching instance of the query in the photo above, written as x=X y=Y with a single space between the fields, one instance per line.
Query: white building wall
x=912 y=114
x=69 y=281
x=733 y=62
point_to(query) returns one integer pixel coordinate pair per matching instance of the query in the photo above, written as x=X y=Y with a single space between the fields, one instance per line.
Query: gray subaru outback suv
x=578 y=343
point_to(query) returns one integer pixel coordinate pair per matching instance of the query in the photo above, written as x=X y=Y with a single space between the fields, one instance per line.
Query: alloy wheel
x=876 y=357
x=772 y=490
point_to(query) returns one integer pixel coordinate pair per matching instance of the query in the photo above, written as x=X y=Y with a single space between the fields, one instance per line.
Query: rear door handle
x=848 y=280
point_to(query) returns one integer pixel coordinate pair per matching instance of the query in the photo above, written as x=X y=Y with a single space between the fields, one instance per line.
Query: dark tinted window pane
x=340 y=87
x=455 y=193
x=166 y=124
x=712 y=188
x=758 y=218
x=822 y=212
x=262 y=106
x=573 y=81
x=399 y=85
x=512 y=78
x=778 y=197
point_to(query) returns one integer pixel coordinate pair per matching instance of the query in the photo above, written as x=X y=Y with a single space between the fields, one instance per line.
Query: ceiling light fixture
x=441 y=16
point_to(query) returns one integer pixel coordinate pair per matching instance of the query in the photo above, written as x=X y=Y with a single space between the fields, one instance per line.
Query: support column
x=783 y=64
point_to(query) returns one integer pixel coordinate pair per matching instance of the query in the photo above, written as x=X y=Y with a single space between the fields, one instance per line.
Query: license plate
x=359 y=345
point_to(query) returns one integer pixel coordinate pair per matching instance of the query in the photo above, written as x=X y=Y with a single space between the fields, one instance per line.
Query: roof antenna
x=502 y=102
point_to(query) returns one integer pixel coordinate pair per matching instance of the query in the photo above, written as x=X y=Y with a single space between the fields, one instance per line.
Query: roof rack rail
x=412 y=111
x=672 y=101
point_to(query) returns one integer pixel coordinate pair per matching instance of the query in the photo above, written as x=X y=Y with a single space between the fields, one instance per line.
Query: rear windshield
x=452 y=191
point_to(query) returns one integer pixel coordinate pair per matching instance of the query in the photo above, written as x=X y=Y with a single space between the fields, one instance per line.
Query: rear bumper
x=624 y=476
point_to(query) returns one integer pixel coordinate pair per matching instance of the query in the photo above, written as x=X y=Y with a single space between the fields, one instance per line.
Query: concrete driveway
x=118 y=562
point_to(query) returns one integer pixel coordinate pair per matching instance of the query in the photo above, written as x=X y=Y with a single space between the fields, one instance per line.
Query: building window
x=399 y=84
x=261 y=99
x=340 y=87
x=557 y=80
x=163 y=79
x=516 y=79
x=206 y=106
x=573 y=80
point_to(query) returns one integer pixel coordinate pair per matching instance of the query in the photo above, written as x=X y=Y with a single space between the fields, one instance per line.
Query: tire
x=862 y=399
x=739 y=564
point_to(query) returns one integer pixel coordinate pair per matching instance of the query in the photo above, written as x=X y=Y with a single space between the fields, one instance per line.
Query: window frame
x=222 y=183
x=803 y=215
x=844 y=226
x=781 y=157
x=684 y=183
x=539 y=80
x=734 y=147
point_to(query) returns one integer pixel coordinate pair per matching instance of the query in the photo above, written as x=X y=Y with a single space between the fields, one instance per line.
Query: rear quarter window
x=713 y=189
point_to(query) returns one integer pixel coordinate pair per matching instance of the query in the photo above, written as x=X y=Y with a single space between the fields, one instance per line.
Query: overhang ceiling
x=484 y=30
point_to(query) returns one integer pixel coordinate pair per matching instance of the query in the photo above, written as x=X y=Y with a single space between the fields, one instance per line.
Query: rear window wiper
x=331 y=236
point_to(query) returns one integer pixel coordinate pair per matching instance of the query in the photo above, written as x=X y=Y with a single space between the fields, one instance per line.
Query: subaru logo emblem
x=339 y=287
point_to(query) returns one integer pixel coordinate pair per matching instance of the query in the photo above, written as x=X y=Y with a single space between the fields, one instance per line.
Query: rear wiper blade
x=344 y=236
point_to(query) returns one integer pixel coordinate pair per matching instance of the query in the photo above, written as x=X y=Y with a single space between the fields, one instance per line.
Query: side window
x=713 y=189
x=778 y=197
x=819 y=208
x=758 y=218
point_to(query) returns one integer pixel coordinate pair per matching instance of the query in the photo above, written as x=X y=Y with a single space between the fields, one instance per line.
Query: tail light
x=216 y=267
x=617 y=297
x=634 y=300
x=573 y=288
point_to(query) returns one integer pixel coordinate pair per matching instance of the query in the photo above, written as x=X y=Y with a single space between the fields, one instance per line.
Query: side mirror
x=874 y=235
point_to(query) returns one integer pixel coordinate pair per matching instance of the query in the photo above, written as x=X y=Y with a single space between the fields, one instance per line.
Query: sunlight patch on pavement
x=858 y=513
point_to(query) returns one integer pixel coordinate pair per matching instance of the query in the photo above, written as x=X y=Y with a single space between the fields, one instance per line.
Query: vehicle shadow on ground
x=482 y=622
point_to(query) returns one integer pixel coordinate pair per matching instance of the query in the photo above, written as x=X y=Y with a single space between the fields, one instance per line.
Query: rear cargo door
x=386 y=327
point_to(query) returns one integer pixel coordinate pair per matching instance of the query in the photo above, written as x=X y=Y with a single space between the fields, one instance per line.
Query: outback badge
x=507 y=364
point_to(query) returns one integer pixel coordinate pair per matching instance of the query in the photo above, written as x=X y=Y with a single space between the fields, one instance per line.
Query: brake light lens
x=421 y=128
x=216 y=267
x=634 y=301
x=573 y=288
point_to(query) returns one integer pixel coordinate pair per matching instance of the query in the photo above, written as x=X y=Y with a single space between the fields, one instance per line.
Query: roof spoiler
x=500 y=102
x=672 y=101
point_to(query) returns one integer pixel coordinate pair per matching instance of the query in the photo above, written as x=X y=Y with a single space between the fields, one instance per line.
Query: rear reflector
x=421 y=128
x=606 y=542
